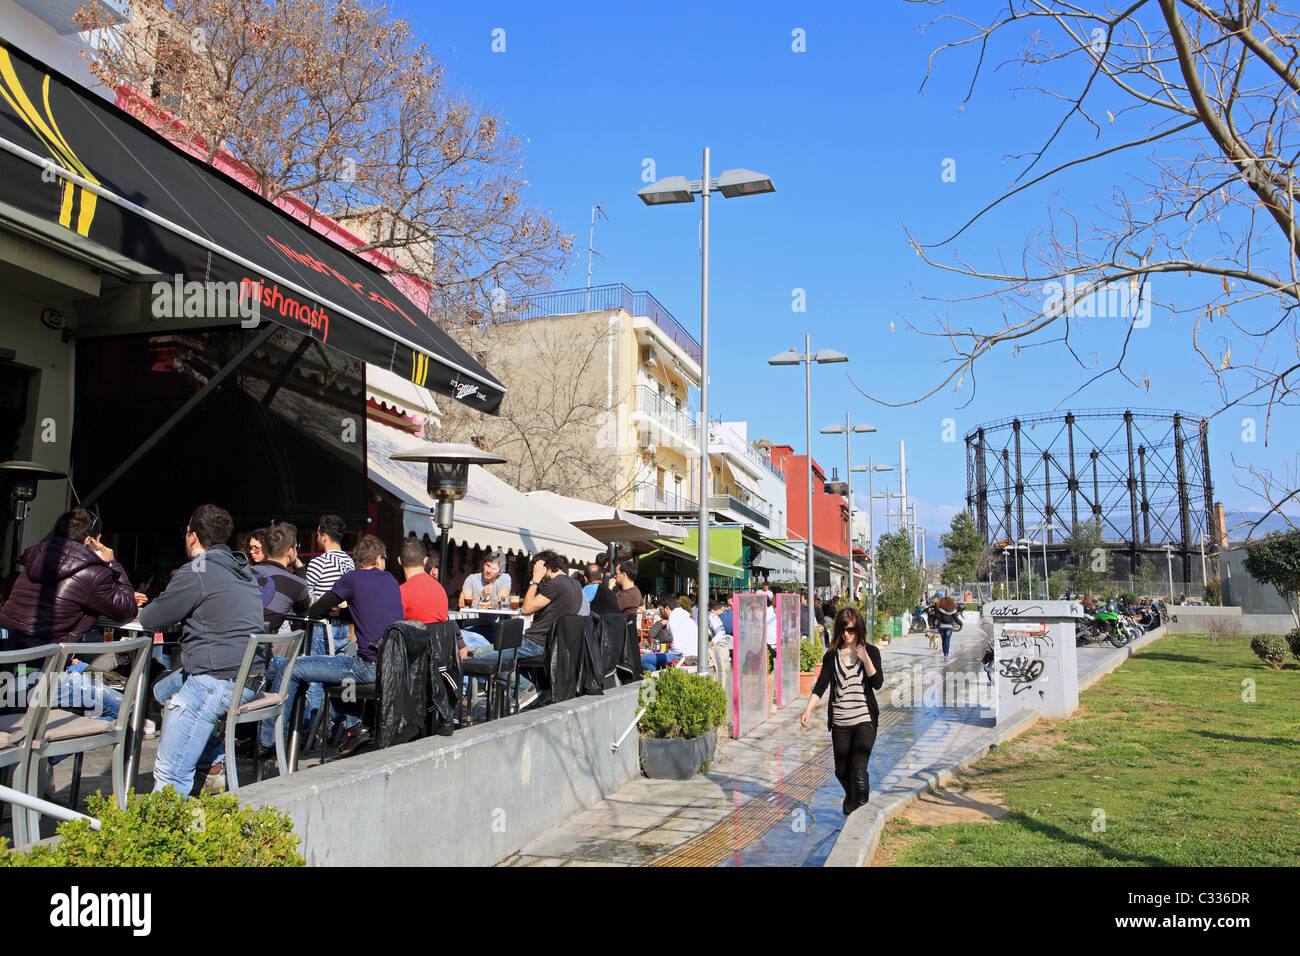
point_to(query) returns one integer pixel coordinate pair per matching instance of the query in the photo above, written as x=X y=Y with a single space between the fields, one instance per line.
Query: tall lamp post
x=871 y=470
x=1169 y=553
x=821 y=357
x=448 y=481
x=848 y=431
x=1006 y=572
x=1023 y=544
x=664 y=192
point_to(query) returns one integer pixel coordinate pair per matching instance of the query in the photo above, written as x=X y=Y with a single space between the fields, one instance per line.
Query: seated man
x=674 y=628
x=283 y=592
x=376 y=602
x=219 y=605
x=551 y=595
x=603 y=595
x=423 y=598
x=629 y=595
x=67 y=583
x=491 y=581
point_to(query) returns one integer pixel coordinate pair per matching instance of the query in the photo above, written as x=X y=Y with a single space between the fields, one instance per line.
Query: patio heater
x=448 y=482
x=22 y=477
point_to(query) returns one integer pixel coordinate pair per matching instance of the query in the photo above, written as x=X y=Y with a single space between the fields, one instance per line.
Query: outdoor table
x=466 y=613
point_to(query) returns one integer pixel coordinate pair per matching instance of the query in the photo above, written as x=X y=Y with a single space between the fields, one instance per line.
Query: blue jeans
x=653 y=662
x=189 y=719
x=526 y=649
x=314 y=669
x=945 y=632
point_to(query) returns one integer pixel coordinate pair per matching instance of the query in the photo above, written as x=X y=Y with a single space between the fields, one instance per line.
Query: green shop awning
x=725 y=553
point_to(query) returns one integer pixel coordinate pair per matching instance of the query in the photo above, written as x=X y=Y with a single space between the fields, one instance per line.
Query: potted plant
x=810 y=664
x=683 y=711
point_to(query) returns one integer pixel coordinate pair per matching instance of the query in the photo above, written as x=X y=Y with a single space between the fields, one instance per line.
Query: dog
x=934 y=638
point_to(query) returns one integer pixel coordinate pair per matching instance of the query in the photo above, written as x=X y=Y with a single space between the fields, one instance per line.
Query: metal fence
x=603 y=298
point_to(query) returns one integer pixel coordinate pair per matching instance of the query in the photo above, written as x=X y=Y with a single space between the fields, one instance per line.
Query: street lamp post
x=871 y=470
x=1169 y=553
x=677 y=189
x=1023 y=544
x=1006 y=572
x=821 y=357
x=848 y=431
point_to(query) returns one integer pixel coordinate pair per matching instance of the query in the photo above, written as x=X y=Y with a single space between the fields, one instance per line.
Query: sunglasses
x=95 y=526
x=850 y=630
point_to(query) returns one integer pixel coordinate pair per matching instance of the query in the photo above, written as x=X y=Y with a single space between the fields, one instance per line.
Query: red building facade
x=830 y=512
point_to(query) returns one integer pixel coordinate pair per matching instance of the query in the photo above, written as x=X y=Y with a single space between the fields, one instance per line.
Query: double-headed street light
x=847 y=430
x=820 y=357
x=678 y=189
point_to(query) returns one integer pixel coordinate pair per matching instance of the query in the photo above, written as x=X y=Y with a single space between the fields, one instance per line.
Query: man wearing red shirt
x=423 y=598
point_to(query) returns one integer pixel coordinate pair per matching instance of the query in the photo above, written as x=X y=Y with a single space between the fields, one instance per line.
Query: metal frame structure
x=1144 y=474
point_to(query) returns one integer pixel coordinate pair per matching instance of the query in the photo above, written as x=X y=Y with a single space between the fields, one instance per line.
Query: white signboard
x=1034 y=661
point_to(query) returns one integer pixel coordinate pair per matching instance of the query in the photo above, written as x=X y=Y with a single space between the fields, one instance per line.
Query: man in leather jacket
x=67 y=583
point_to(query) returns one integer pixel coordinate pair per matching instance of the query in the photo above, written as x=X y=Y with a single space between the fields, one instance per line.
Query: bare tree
x=334 y=102
x=556 y=428
x=1206 y=93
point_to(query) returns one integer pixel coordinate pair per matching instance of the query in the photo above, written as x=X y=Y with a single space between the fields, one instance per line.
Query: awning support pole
x=194 y=401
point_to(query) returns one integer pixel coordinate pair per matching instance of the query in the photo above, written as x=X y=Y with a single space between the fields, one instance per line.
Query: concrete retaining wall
x=471 y=799
x=1197 y=620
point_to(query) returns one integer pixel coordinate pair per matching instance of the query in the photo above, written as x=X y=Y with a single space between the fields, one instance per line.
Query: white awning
x=400 y=394
x=604 y=522
x=492 y=514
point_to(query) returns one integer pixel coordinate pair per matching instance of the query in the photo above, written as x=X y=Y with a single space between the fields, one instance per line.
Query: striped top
x=851 y=701
x=324 y=570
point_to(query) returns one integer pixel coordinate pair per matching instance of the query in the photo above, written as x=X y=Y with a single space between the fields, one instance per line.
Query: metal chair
x=498 y=674
x=58 y=733
x=265 y=706
x=16 y=730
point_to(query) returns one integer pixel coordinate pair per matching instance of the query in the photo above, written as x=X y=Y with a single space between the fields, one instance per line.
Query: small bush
x=810 y=654
x=165 y=829
x=1223 y=631
x=1270 y=649
x=1293 y=641
x=685 y=704
x=1214 y=594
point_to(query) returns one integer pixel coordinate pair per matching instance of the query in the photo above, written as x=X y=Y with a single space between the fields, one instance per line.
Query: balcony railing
x=728 y=503
x=650 y=498
x=603 y=298
x=666 y=413
x=728 y=441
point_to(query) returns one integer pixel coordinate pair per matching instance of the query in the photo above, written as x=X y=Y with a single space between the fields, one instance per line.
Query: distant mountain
x=1239 y=523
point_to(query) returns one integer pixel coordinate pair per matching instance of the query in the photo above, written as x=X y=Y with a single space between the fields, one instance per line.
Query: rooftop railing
x=603 y=298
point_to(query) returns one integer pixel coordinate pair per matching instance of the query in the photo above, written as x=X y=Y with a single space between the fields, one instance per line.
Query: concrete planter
x=676 y=759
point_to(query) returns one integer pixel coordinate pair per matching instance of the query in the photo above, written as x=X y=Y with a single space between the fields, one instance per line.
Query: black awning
x=142 y=197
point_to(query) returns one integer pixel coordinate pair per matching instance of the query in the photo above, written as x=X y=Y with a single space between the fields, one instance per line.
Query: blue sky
x=856 y=153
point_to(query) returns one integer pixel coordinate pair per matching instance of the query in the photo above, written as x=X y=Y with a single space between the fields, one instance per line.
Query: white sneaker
x=215 y=782
x=527 y=697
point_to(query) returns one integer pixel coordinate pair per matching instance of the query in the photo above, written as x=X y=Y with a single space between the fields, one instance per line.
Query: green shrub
x=165 y=829
x=685 y=704
x=1214 y=594
x=810 y=654
x=1270 y=648
x=1293 y=641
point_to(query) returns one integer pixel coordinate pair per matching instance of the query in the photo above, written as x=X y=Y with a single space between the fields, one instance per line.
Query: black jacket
x=828 y=677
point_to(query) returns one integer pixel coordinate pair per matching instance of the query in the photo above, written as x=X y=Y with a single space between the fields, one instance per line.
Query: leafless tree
x=1205 y=94
x=336 y=103
x=555 y=428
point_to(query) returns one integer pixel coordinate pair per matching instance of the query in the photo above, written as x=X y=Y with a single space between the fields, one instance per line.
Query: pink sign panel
x=749 y=693
x=786 y=672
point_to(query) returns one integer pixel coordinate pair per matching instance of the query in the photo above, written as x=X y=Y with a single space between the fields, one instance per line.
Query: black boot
x=861 y=789
x=847 y=783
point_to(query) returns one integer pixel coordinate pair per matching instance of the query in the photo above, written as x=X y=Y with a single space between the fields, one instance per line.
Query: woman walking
x=851 y=668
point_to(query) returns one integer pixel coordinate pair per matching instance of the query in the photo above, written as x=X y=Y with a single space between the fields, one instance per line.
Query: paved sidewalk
x=771 y=798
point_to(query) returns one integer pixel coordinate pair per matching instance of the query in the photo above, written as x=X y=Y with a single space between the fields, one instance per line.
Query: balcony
x=728 y=503
x=726 y=442
x=650 y=498
x=665 y=413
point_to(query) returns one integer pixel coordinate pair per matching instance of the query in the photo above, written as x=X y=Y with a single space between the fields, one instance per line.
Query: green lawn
x=1186 y=772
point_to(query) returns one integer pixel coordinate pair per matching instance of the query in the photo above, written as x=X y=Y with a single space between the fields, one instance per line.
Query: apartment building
x=830 y=531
